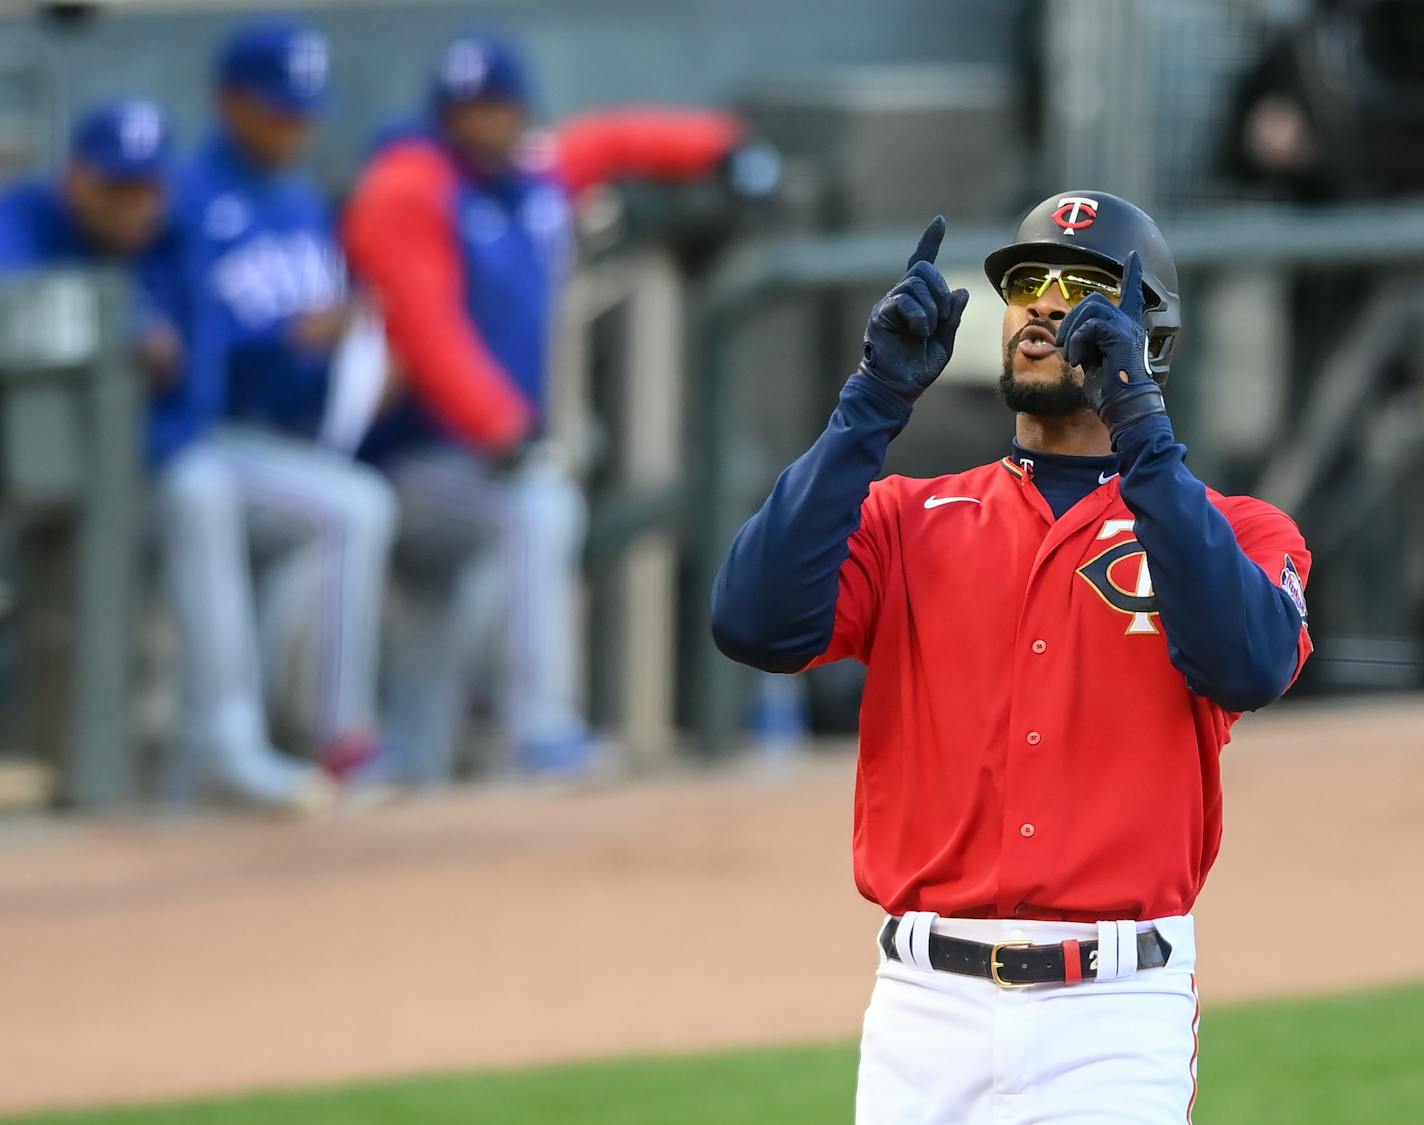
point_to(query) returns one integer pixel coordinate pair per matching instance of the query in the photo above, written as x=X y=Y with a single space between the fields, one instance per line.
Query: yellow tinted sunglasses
x=1028 y=281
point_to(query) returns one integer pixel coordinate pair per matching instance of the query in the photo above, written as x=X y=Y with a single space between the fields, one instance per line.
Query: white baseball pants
x=243 y=503
x=943 y=1049
x=485 y=555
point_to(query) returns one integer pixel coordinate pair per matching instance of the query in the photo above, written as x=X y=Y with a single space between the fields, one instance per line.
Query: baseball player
x=264 y=306
x=461 y=228
x=108 y=206
x=1058 y=644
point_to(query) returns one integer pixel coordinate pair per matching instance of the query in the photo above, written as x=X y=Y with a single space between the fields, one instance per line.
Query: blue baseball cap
x=124 y=139
x=281 y=61
x=479 y=66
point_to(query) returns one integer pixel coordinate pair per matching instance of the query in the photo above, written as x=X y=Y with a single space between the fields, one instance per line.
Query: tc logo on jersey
x=1075 y=213
x=1120 y=577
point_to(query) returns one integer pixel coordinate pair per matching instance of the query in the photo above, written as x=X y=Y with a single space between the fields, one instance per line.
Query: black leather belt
x=1017 y=964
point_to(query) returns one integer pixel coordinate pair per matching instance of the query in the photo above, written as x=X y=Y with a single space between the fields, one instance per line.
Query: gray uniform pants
x=232 y=510
x=489 y=558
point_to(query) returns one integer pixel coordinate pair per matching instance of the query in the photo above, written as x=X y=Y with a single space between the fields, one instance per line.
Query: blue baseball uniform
x=258 y=251
x=39 y=229
x=255 y=255
x=468 y=262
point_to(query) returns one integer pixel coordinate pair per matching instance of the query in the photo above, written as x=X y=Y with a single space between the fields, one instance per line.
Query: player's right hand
x=322 y=329
x=910 y=336
x=159 y=352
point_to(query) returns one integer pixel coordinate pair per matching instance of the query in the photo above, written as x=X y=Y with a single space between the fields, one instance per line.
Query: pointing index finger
x=929 y=243
x=1134 y=302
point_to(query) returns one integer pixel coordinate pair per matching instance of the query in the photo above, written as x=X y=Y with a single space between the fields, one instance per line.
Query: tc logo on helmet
x=1075 y=212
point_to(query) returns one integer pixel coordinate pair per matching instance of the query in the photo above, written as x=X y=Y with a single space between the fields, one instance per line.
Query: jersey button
x=1027 y=830
x=1034 y=738
x=1040 y=646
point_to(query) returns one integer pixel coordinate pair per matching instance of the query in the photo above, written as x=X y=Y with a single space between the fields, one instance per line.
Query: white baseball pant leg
x=459 y=523
x=433 y=646
x=943 y=1049
x=244 y=495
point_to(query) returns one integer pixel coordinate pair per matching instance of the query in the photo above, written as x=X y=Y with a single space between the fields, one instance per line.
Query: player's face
x=272 y=137
x=1036 y=378
x=486 y=132
x=122 y=216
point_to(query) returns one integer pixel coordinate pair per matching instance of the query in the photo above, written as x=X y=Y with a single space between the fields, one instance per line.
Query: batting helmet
x=1093 y=226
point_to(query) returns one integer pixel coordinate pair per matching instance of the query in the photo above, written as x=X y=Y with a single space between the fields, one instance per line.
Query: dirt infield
x=156 y=960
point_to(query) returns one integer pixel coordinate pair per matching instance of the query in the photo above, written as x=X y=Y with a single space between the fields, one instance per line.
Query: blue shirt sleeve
x=1231 y=631
x=172 y=284
x=159 y=290
x=16 y=247
x=26 y=216
x=774 y=600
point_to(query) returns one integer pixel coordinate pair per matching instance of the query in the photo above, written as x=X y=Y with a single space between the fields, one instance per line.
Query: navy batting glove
x=1110 y=344
x=910 y=336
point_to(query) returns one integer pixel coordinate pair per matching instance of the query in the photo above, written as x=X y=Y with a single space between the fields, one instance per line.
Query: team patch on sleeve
x=1294 y=587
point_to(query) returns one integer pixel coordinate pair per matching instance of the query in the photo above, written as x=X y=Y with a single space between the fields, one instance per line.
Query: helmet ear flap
x=1160 y=346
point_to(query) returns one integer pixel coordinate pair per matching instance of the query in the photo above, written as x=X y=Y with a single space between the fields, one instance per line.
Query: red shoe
x=345 y=754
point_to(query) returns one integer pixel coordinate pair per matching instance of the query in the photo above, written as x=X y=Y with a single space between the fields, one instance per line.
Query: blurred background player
x=265 y=304
x=1331 y=113
x=462 y=229
x=108 y=205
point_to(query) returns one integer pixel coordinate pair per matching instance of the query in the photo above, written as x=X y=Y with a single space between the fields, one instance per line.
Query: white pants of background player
x=485 y=554
x=944 y=1049
x=242 y=504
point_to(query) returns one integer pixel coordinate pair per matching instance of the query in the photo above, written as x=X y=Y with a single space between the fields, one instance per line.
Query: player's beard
x=1062 y=396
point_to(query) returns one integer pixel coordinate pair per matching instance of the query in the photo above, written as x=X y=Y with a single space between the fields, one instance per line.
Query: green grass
x=1355 y=1060
x=1351 y=1060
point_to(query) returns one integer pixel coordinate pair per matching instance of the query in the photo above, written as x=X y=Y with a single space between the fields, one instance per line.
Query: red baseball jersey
x=1027 y=747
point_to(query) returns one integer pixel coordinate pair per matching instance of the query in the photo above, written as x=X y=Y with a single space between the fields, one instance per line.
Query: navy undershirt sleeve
x=774 y=601
x=1231 y=631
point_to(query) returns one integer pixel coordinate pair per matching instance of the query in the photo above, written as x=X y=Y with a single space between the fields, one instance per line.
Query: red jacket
x=403 y=237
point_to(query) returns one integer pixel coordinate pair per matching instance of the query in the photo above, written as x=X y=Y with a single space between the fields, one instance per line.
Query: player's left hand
x=1109 y=343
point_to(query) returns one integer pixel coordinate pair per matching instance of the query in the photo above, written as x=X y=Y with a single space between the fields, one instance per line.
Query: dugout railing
x=69 y=409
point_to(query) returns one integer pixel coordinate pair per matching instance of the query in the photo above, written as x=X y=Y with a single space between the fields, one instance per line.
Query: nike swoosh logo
x=1103 y=478
x=936 y=501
